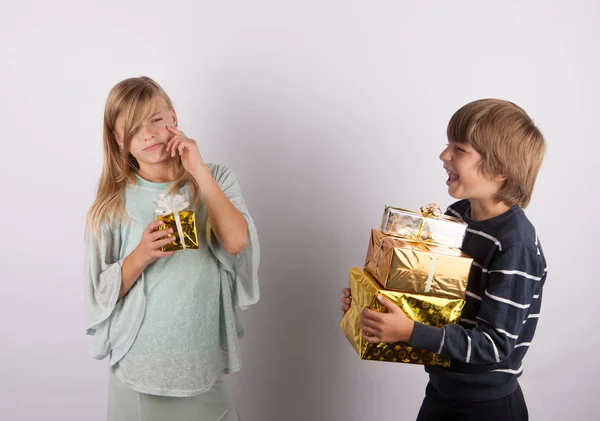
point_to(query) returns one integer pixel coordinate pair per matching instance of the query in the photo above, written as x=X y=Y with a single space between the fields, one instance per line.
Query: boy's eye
x=460 y=149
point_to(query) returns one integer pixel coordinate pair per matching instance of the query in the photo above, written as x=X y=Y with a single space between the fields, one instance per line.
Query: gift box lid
x=429 y=225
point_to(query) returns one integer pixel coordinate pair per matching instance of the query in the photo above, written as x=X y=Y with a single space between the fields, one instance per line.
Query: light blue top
x=176 y=331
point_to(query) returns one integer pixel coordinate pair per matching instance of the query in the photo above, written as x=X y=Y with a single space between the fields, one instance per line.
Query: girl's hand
x=186 y=148
x=149 y=248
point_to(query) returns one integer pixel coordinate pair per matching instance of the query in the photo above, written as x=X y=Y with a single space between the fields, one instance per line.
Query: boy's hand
x=346 y=300
x=389 y=327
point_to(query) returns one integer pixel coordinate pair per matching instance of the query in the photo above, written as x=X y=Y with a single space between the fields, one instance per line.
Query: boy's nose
x=445 y=155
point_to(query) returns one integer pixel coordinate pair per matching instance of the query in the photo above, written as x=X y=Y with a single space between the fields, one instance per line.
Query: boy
x=492 y=160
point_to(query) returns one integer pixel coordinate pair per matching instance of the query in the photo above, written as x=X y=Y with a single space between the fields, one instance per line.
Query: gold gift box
x=428 y=225
x=188 y=227
x=426 y=309
x=413 y=266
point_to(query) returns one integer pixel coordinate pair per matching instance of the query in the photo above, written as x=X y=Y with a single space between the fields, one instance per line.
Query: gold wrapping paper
x=188 y=225
x=429 y=225
x=433 y=311
x=412 y=266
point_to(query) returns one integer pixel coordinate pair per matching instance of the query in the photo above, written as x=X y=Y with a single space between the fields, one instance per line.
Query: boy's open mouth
x=452 y=177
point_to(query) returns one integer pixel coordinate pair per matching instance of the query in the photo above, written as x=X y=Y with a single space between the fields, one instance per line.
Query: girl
x=167 y=320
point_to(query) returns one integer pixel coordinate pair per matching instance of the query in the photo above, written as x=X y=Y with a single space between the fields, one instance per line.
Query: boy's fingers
x=370 y=339
x=370 y=325
x=369 y=314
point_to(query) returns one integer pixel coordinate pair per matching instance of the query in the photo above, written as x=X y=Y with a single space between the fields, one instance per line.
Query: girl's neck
x=163 y=172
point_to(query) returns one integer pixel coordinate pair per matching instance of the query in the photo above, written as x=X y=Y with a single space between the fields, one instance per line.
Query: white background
x=326 y=111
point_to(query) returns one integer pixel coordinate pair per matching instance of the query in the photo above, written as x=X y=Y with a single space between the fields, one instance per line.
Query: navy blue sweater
x=504 y=296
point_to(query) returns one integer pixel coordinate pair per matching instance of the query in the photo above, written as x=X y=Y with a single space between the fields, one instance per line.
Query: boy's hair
x=133 y=99
x=508 y=141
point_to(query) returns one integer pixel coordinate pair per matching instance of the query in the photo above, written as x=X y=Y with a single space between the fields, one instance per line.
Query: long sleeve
x=102 y=278
x=102 y=281
x=514 y=281
x=242 y=267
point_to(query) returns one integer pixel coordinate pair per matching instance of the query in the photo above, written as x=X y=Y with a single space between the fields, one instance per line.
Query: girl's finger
x=182 y=147
x=175 y=147
x=164 y=253
x=156 y=235
x=172 y=141
x=174 y=130
x=153 y=226
x=165 y=241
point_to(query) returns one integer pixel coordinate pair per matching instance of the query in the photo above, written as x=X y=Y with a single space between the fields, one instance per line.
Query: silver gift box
x=427 y=225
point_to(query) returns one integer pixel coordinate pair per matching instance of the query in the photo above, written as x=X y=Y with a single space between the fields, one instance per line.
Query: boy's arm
x=514 y=285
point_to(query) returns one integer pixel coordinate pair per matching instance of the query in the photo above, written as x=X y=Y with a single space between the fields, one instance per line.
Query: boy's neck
x=163 y=172
x=482 y=210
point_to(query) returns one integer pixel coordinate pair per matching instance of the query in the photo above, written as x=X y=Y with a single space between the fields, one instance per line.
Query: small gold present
x=428 y=225
x=426 y=309
x=173 y=211
x=413 y=266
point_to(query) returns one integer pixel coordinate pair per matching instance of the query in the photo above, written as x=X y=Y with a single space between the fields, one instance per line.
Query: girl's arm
x=228 y=224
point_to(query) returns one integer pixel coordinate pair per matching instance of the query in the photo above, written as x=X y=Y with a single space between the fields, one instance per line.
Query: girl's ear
x=118 y=139
x=174 y=116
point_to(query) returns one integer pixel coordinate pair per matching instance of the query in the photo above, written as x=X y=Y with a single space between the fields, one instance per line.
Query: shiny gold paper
x=188 y=225
x=429 y=225
x=412 y=266
x=433 y=311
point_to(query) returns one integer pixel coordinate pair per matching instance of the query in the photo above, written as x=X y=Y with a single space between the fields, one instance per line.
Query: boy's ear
x=500 y=177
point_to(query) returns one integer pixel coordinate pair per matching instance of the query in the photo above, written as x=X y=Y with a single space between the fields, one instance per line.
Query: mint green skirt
x=125 y=404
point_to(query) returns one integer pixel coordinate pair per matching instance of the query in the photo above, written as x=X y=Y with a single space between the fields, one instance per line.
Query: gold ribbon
x=430 y=211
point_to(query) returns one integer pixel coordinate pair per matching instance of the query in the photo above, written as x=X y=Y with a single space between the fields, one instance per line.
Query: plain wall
x=326 y=111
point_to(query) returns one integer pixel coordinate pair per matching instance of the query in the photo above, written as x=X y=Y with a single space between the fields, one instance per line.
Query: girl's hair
x=133 y=99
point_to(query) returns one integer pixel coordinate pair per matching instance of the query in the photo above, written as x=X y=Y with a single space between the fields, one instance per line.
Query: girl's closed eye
x=156 y=120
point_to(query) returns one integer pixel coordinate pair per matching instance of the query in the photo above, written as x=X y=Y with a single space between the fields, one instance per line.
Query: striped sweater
x=503 y=301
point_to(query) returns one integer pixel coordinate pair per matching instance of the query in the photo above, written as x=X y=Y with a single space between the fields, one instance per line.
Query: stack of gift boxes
x=415 y=261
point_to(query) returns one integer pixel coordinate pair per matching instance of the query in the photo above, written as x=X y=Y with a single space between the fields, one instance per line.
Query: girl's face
x=149 y=141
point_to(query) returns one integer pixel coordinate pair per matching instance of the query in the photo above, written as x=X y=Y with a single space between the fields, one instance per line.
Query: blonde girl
x=167 y=321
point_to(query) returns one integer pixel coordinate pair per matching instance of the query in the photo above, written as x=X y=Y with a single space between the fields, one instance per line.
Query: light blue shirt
x=176 y=331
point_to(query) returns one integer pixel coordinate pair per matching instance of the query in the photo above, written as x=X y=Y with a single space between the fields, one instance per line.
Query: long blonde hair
x=132 y=99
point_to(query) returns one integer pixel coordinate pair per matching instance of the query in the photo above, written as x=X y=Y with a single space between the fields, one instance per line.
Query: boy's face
x=465 y=178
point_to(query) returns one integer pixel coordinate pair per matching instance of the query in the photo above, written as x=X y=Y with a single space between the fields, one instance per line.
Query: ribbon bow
x=167 y=204
x=432 y=210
